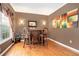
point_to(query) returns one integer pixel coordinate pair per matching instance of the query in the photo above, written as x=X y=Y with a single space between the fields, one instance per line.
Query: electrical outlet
x=70 y=41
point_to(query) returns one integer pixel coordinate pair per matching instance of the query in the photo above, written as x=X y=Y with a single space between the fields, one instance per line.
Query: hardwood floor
x=52 y=49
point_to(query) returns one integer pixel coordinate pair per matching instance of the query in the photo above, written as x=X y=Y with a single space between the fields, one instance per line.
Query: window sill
x=5 y=40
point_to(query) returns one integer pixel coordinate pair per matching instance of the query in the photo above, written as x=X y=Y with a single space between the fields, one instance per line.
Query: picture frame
x=32 y=23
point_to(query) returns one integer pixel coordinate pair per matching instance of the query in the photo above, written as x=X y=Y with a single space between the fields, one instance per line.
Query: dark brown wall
x=65 y=35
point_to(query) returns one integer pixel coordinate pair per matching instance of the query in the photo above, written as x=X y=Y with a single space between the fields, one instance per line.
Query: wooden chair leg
x=47 y=41
x=24 y=42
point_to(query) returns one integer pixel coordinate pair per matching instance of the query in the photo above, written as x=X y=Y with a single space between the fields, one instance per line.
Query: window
x=6 y=31
x=0 y=26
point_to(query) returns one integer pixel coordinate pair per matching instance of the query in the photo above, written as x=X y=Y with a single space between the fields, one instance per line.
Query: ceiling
x=37 y=8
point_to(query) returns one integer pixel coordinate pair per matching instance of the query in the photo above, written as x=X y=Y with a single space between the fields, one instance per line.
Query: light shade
x=44 y=22
x=21 y=22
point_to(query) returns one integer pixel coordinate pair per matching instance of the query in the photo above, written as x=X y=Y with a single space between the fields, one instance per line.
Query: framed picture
x=74 y=20
x=32 y=23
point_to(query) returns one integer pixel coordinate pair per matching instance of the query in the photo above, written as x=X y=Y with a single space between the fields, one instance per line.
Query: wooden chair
x=35 y=37
x=26 y=40
x=45 y=36
x=41 y=37
x=25 y=36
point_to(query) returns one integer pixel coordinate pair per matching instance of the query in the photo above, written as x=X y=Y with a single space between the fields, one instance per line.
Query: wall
x=29 y=17
x=65 y=35
x=8 y=42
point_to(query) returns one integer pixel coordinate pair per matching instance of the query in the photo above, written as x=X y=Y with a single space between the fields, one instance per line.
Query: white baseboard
x=6 y=49
x=70 y=48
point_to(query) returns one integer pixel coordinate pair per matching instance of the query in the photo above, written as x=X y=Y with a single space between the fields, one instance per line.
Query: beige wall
x=30 y=17
x=65 y=35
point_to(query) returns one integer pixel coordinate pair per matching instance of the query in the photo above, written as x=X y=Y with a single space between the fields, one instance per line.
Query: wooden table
x=35 y=36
